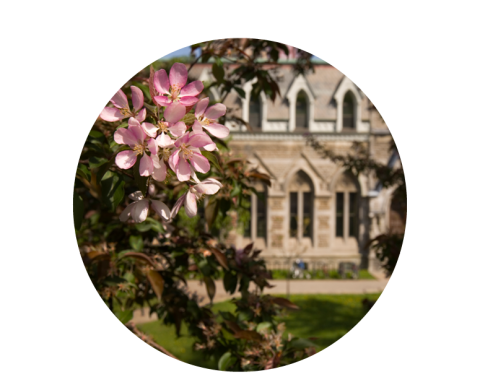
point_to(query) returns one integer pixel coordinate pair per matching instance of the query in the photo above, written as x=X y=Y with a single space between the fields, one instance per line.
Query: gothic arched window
x=301 y=206
x=346 y=208
x=301 y=112
x=349 y=111
x=255 y=114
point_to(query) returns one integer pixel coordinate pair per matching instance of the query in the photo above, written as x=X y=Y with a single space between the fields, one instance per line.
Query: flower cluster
x=164 y=142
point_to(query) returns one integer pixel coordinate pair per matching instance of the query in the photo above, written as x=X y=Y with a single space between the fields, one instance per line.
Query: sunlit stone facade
x=313 y=209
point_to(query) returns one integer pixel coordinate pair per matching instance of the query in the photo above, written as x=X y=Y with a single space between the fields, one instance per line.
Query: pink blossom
x=135 y=137
x=207 y=118
x=138 y=210
x=170 y=124
x=122 y=109
x=194 y=193
x=174 y=94
x=187 y=156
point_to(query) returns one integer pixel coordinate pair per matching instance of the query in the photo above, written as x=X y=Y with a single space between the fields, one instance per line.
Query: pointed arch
x=348 y=96
x=299 y=84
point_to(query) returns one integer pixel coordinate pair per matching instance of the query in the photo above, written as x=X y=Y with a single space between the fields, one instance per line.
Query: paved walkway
x=361 y=286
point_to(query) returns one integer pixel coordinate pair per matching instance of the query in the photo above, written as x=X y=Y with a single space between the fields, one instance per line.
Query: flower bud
x=151 y=189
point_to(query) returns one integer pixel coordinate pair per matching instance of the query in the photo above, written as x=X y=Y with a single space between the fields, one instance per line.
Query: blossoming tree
x=152 y=163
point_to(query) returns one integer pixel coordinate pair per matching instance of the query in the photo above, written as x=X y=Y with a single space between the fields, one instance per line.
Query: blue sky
x=186 y=51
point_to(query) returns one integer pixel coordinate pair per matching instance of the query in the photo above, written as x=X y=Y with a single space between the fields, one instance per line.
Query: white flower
x=138 y=210
x=194 y=193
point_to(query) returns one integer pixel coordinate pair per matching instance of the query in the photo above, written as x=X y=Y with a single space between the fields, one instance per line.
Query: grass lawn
x=328 y=317
x=282 y=274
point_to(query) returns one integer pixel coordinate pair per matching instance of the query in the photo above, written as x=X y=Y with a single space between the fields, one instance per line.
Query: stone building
x=313 y=210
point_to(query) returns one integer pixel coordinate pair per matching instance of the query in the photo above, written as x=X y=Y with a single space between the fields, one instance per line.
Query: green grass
x=282 y=274
x=327 y=317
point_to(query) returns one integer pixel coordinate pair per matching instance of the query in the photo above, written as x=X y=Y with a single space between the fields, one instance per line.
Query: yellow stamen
x=126 y=112
x=187 y=153
x=139 y=149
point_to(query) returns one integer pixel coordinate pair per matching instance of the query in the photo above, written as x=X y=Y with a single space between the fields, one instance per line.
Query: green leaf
x=140 y=181
x=148 y=224
x=263 y=326
x=129 y=277
x=112 y=189
x=188 y=119
x=136 y=243
x=240 y=91
x=84 y=172
x=104 y=168
x=212 y=158
x=78 y=210
x=226 y=361
x=230 y=282
x=95 y=162
x=113 y=280
x=210 y=285
x=299 y=343
x=218 y=71
x=211 y=211
x=121 y=125
x=124 y=316
x=96 y=134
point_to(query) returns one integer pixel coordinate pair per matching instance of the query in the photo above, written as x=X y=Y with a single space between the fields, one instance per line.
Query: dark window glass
x=255 y=114
x=301 y=111
x=293 y=214
x=261 y=216
x=247 y=232
x=348 y=112
x=307 y=214
x=352 y=214
x=339 y=215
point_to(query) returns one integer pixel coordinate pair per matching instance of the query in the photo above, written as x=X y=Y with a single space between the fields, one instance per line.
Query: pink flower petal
x=133 y=122
x=138 y=133
x=215 y=111
x=199 y=163
x=126 y=212
x=208 y=187
x=177 y=205
x=141 y=115
x=174 y=159
x=197 y=128
x=199 y=140
x=190 y=204
x=146 y=165
x=120 y=100
x=159 y=169
x=201 y=107
x=192 y=89
x=140 y=211
x=161 y=209
x=111 y=114
x=210 y=147
x=218 y=130
x=178 y=129
x=126 y=159
x=160 y=81
x=183 y=170
x=174 y=112
x=178 y=75
x=162 y=100
x=163 y=140
x=188 y=100
x=130 y=137
x=152 y=146
x=182 y=140
x=149 y=129
x=119 y=134
x=137 y=98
